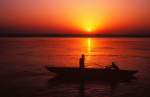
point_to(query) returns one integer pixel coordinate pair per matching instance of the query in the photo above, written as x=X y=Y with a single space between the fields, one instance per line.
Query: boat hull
x=90 y=73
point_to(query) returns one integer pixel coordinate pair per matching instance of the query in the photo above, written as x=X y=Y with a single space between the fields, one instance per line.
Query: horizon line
x=72 y=35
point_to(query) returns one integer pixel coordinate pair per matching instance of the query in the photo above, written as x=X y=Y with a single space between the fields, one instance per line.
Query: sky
x=75 y=16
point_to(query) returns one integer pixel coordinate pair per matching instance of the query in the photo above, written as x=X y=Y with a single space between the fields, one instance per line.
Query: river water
x=23 y=61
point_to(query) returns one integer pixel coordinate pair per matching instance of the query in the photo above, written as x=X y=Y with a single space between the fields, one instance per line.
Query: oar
x=97 y=64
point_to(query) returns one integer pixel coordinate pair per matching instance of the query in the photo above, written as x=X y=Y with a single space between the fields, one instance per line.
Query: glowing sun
x=89 y=30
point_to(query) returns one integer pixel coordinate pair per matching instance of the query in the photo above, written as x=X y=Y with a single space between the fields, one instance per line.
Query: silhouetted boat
x=91 y=72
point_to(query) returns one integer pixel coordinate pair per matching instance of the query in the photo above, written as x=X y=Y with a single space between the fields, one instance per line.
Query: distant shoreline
x=77 y=36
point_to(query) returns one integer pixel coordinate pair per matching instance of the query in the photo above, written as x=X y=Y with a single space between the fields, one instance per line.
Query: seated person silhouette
x=113 y=66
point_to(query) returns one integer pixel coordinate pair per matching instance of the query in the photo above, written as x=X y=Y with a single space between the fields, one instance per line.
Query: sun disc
x=89 y=30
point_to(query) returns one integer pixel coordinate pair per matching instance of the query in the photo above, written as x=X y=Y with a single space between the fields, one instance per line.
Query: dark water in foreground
x=22 y=62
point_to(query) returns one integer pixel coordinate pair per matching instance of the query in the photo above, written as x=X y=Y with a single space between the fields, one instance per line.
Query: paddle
x=97 y=65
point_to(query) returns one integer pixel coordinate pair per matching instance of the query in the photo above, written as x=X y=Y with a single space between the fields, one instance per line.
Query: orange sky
x=76 y=16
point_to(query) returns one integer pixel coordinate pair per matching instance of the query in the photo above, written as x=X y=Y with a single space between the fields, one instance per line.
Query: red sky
x=76 y=16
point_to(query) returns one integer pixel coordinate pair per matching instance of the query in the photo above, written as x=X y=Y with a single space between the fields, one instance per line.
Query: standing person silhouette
x=82 y=61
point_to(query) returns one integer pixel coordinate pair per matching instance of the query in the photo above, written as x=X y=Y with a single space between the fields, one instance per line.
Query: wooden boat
x=91 y=72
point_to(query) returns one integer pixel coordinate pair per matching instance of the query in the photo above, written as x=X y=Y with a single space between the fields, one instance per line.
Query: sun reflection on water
x=89 y=49
x=89 y=45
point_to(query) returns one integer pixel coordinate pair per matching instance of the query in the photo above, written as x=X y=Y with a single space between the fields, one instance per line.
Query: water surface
x=22 y=62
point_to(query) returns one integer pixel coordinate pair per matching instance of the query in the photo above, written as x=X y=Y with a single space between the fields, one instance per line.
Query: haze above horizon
x=75 y=17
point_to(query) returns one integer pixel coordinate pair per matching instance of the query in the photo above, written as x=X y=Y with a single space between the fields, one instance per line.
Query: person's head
x=113 y=63
x=82 y=55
